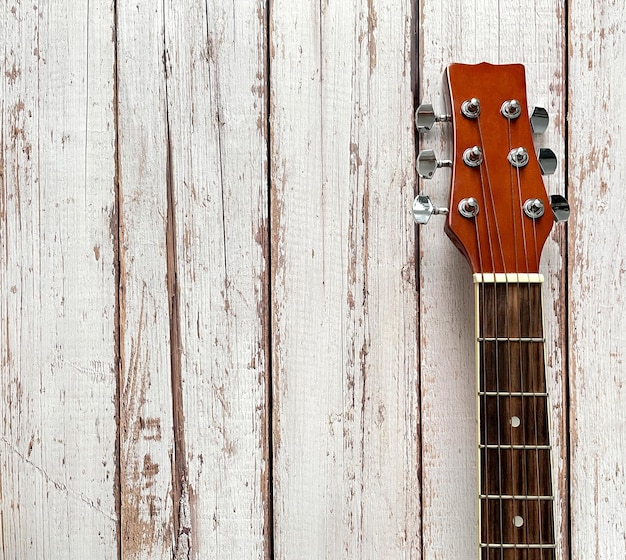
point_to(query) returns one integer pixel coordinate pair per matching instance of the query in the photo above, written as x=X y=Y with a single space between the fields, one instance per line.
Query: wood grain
x=500 y=238
x=193 y=197
x=148 y=467
x=57 y=283
x=343 y=300
x=530 y=32
x=597 y=282
x=514 y=459
x=217 y=118
x=143 y=308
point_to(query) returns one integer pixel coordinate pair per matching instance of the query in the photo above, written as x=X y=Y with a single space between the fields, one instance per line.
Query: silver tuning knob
x=423 y=209
x=427 y=164
x=547 y=161
x=560 y=207
x=539 y=120
x=425 y=117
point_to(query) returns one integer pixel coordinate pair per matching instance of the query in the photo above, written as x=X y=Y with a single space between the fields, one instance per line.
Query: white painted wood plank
x=147 y=453
x=530 y=32
x=343 y=300
x=597 y=282
x=57 y=283
x=217 y=99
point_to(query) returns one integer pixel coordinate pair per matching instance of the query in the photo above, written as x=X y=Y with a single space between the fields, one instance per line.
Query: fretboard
x=516 y=491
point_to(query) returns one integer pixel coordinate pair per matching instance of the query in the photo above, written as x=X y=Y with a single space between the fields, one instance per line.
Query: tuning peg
x=425 y=117
x=547 y=161
x=427 y=164
x=423 y=209
x=560 y=207
x=539 y=120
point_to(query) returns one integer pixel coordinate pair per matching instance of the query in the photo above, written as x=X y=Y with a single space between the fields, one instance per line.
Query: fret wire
x=506 y=446
x=510 y=394
x=513 y=497
x=510 y=339
x=512 y=545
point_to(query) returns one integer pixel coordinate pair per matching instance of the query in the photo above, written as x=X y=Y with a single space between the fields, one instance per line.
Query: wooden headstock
x=500 y=215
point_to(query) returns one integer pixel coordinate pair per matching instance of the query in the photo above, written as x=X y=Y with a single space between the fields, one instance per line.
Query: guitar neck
x=515 y=472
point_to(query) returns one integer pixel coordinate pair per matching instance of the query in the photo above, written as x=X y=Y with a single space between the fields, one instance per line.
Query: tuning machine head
x=425 y=118
x=539 y=120
x=560 y=207
x=427 y=164
x=423 y=209
x=547 y=161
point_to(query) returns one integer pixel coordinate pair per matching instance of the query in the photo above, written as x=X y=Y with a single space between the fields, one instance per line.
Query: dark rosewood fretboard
x=516 y=495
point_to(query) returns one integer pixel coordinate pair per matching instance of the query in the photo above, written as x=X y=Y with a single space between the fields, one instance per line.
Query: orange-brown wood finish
x=501 y=238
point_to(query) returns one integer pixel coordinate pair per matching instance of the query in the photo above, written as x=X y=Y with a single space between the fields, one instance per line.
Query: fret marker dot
x=515 y=421
x=518 y=521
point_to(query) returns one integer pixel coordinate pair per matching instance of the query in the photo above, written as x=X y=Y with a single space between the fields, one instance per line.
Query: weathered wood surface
x=597 y=280
x=147 y=455
x=217 y=116
x=192 y=156
x=346 y=462
x=216 y=340
x=57 y=283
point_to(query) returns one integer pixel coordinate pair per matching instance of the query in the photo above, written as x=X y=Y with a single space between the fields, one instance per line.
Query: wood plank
x=148 y=473
x=596 y=277
x=57 y=283
x=217 y=100
x=530 y=32
x=343 y=293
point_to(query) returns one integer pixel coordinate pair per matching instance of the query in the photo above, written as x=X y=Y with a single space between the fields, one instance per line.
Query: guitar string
x=515 y=173
x=523 y=473
x=538 y=376
x=495 y=315
x=482 y=323
x=483 y=369
x=515 y=201
x=531 y=377
x=483 y=398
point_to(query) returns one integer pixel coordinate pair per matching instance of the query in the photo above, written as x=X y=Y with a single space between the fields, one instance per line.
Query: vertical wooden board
x=217 y=99
x=597 y=282
x=530 y=32
x=147 y=452
x=343 y=299
x=57 y=283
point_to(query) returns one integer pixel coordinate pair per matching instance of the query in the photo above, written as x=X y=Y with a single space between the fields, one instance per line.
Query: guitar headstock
x=500 y=215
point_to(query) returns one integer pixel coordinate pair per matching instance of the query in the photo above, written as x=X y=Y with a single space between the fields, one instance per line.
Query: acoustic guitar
x=500 y=217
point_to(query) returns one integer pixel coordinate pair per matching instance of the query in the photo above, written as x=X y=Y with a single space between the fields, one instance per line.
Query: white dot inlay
x=515 y=421
x=518 y=521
